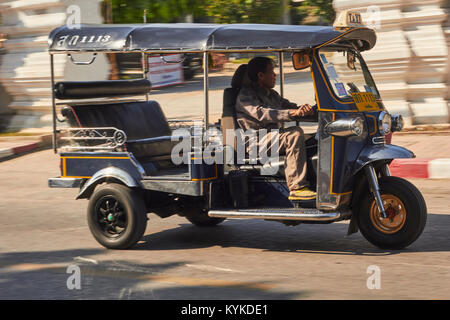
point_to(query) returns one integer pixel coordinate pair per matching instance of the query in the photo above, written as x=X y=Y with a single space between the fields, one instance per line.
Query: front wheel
x=406 y=214
x=116 y=216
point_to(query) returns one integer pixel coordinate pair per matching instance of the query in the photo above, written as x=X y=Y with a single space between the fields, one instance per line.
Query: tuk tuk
x=119 y=151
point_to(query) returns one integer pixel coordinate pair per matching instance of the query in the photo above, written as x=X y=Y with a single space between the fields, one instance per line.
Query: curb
x=45 y=141
x=421 y=168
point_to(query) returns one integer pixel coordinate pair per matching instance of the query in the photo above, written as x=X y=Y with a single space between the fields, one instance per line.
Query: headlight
x=397 y=123
x=384 y=123
x=346 y=127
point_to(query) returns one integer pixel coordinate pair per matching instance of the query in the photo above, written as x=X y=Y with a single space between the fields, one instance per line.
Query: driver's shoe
x=302 y=194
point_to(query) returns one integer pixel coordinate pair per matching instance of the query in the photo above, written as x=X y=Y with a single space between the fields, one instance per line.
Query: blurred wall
x=25 y=65
x=410 y=61
x=5 y=99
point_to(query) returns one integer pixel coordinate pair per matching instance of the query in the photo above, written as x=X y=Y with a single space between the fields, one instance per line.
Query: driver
x=258 y=106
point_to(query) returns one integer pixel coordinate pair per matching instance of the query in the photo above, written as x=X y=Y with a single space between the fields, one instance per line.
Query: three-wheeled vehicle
x=120 y=152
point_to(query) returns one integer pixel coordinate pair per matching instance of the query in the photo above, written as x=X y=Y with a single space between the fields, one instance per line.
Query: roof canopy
x=201 y=37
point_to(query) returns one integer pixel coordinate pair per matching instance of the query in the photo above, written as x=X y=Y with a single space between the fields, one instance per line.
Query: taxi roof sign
x=348 y=19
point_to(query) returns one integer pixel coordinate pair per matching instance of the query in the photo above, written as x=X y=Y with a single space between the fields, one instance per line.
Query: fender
x=372 y=153
x=107 y=174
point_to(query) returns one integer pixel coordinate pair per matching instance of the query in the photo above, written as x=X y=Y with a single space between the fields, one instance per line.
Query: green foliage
x=132 y=11
x=322 y=9
x=220 y=11
x=227 y=11
x=245 y=11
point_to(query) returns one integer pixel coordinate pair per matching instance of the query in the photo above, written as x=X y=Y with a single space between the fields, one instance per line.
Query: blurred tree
x=245 y=11
x=223 y=11
x=321 y=10
x=227 y=11
x=298 y=12
x=132 y=11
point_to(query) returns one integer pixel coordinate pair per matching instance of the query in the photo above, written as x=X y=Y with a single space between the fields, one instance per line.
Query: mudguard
x=107 y=174
x=374 y=153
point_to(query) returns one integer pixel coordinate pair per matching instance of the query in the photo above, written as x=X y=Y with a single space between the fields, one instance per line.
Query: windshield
x=347 y=73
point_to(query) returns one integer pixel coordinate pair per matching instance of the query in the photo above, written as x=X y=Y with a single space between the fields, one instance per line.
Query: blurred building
x=25 y=64
x=5 y=99
x=411 y=60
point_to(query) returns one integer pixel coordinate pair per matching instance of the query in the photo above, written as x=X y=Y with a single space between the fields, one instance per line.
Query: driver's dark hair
x=257 y=64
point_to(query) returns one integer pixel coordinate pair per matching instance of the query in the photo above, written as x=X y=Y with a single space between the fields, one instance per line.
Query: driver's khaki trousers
x=291 y=143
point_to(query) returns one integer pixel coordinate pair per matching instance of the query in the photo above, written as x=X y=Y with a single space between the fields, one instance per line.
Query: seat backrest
x=139 y=120
x=228 y=121
x=98 y=89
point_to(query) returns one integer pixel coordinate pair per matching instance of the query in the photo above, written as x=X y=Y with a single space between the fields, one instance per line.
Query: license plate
x=365 y=101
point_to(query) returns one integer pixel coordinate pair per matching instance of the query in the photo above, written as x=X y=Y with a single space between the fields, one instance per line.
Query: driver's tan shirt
x=259 y=108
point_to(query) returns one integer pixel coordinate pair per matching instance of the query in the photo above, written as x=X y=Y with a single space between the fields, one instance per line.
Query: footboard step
x=281 y=214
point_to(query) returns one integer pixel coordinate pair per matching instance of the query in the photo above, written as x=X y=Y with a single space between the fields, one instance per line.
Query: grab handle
x=173 y=62
x=82 y=63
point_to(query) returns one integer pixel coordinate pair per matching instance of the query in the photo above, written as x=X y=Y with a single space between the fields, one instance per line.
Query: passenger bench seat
x=139 y=120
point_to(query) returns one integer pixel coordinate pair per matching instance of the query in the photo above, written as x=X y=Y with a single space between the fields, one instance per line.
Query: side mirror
x=351 y=60
x=300 y=60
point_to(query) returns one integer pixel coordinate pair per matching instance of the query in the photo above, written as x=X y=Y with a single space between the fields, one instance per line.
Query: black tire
x=116 y=216
x=400 y=230
x=200 y=218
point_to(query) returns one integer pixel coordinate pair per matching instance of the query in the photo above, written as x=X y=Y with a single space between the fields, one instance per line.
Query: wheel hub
x=111 y=218
x=395 y=211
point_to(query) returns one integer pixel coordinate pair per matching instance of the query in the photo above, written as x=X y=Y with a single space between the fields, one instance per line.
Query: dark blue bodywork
x=348 y=155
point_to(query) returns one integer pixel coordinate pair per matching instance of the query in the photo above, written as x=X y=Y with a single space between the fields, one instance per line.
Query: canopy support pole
x=52 y=80
x=281 y=60
x=145 y=68
x=206 y=87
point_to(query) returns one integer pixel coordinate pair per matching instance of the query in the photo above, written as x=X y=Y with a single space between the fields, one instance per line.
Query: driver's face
x=267 y=79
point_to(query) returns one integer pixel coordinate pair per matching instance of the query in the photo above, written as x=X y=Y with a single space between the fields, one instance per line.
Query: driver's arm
x=286 y=104
x=248 y=104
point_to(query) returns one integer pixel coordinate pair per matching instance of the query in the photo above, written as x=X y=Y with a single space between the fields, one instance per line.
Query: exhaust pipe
x=281 y=214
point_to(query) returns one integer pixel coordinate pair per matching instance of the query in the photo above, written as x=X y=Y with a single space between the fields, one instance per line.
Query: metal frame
x=281 y=61
x=112 y=138
x=52 y=80
x=206 y=87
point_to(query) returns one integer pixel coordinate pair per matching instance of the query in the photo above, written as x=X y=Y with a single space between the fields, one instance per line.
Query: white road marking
x=211 y=268
x=85 y=260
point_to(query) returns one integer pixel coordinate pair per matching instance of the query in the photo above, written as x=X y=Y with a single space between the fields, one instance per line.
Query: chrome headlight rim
x=384 y=123
x=346 y=127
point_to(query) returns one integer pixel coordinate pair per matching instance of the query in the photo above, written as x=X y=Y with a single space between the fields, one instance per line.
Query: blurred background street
x=44 y=231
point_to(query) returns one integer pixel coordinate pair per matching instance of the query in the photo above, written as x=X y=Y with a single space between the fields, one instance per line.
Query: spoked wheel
x=116 y=216
x=200 y=218
x=406 y=215
x=111 y=218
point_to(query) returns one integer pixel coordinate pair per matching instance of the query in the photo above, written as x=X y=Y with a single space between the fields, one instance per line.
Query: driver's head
x=261 y=71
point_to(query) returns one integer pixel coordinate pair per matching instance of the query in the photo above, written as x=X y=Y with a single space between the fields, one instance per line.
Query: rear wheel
x=406 y=214
x=116 y=216
x=200 y=218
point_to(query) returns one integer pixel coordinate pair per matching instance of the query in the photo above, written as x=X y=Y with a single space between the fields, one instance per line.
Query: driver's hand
x=307 y=109
x=302 y=111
